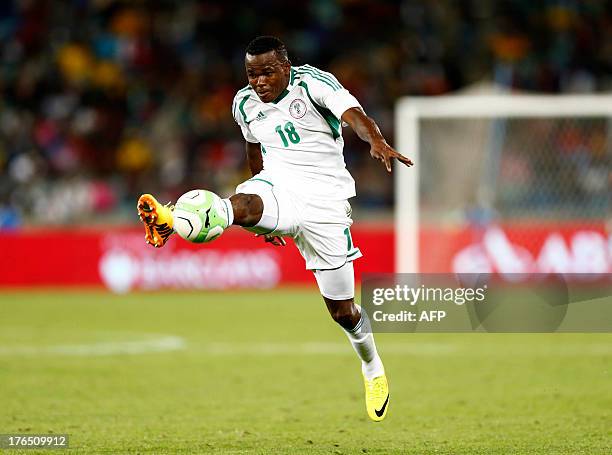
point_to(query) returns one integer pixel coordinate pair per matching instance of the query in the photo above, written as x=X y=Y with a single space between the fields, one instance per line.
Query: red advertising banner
x=584 y=248
x=120 y=260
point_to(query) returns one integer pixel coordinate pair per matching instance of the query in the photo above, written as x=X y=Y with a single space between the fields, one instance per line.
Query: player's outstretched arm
x=368 y=131
x=255 y=162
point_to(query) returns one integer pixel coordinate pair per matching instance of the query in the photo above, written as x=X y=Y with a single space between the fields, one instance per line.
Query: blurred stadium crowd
x=103 y=100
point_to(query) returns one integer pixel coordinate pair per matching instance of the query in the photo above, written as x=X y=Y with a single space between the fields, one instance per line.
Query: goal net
x=506 y=183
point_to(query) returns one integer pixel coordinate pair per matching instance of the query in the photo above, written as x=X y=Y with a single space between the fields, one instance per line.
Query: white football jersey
x=301 y=132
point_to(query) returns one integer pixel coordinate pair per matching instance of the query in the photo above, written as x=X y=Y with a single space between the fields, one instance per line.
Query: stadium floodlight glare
x=412 y=111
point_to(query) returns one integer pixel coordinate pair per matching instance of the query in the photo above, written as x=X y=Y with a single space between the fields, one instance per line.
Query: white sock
x=362 y=339
x=230 y=211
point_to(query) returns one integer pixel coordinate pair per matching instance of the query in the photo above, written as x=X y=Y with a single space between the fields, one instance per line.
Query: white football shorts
x=320 y=228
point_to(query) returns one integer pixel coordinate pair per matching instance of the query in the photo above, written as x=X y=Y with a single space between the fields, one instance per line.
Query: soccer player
x=291 y=119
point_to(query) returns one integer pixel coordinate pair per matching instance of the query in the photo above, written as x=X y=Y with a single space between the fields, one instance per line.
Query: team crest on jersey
x=297 y=108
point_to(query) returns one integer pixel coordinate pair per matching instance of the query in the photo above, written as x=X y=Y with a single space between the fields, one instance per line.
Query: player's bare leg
x=158 y=221
x=356 y=325
x=248 y=209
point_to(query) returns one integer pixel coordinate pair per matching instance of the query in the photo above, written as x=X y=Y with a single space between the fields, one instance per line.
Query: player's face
x=267 y=75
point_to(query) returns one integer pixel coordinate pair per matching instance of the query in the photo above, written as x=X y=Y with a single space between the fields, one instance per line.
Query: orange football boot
x=157 y=219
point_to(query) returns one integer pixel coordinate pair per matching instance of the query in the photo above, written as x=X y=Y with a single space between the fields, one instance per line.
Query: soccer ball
x=199 y=216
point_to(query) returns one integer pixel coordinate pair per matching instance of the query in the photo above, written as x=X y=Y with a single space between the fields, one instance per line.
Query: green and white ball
x=199 y=216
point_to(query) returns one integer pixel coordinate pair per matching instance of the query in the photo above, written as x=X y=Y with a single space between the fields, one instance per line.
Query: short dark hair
x=263 y=44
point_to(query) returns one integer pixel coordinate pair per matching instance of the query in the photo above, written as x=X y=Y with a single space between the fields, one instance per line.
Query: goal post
x=486 y=138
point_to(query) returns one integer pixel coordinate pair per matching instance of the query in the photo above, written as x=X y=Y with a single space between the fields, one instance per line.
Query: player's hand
x=385 y=153
x=273 y=239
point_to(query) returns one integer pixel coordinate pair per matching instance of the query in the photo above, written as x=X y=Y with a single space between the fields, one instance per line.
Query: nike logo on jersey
x=382 y=410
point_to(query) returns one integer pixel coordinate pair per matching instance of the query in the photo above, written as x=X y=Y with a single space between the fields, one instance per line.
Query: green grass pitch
x=269 y=372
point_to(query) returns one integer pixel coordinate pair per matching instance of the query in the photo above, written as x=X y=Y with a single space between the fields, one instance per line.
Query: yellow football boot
x=157 y=219
x=377 y=397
